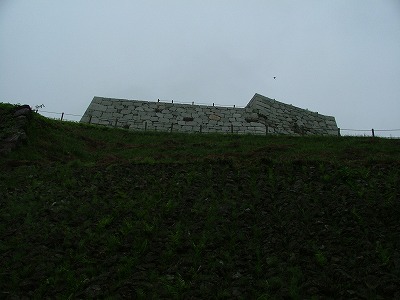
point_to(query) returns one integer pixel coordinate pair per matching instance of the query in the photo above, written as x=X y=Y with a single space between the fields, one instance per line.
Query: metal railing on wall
x=117 y=123
x=199 y=103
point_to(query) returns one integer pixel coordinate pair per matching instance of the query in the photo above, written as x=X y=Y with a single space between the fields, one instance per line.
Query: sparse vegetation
x=96 y=212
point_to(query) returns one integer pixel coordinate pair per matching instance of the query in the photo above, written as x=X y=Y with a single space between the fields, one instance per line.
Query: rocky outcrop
x=13 y=129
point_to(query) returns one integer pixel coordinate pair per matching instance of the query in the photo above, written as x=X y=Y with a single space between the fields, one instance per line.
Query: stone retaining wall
x=13 y=128
x=283 y=118
x=261 y=116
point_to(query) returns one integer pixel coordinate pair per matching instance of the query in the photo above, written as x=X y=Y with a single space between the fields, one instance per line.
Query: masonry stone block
x=214 y=117
x=224 y=120
x=96 y=113
x=168 y=116
x=197 y=114
x=187 y=128
x=163 y=121
x=111 y=109
x=127 y=117
x=117 y=115
x=107 y=115
x=98 y=107
x=101 y=122
x=95 y=120
x=256 y=124
x=212 y=122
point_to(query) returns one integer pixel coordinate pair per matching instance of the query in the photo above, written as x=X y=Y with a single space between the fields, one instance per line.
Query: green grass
x=65 y=141
x=96 y=212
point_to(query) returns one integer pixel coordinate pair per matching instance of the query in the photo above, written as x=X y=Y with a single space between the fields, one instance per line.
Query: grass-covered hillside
x=95 y=212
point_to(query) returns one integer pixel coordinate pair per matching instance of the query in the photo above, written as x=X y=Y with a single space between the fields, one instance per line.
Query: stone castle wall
x=261 y=116
x=287 y=119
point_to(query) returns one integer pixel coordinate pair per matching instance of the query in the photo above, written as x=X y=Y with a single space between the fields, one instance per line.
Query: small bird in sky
x=274 y=77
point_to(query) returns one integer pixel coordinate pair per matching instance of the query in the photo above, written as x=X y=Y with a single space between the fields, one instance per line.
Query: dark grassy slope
x=94 y=212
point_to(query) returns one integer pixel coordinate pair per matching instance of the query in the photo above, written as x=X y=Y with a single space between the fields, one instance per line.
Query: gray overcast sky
x=337 y=57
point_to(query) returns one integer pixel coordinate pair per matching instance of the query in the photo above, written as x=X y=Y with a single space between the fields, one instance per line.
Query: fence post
x=62 y=116
x=172 y=126
x=266 y=129
x=116 y=121
x=90 y=119
x=145 y=126
x=201 y=127
x=373 y=132
x=231 y=128
x=338 y=131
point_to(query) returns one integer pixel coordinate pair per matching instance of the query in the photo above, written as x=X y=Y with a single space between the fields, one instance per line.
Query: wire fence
x=389 y=133
x=370 y=132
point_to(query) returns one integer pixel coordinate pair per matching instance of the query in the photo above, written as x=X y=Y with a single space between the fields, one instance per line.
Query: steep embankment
x=94 y=212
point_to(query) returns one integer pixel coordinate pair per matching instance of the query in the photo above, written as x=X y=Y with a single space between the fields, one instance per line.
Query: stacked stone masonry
x=261 y=116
